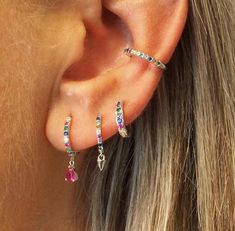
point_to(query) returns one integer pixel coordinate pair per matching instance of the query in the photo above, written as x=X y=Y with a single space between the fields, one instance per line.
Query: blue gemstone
x=119 y=120
x=66 y=133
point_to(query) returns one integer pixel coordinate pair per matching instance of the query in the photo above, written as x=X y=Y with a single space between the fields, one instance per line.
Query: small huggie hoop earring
x=120 y=120
x=71 y=175
x=101 y=157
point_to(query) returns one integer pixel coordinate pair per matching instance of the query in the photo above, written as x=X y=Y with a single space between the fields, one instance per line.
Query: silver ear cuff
x=131 y=52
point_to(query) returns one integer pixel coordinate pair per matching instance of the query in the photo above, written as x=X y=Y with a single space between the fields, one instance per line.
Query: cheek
x=35 y=48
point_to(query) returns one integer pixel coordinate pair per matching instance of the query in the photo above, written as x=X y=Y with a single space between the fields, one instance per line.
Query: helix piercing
x=101 y=157
x=71 y=175
x=120 y=120
x=131 y=52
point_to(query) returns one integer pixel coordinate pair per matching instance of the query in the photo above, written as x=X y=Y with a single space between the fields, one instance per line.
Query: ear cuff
x=131 y=52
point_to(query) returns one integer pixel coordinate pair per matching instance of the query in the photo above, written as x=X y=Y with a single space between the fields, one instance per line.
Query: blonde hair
x=177 y=171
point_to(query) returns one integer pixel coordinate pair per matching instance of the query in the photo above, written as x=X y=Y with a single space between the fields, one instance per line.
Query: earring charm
x=71 y=175
x=131 y=52
x=120 y=120
x=101 y=157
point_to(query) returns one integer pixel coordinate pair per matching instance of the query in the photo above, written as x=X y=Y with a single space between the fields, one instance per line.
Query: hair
x=177 y=170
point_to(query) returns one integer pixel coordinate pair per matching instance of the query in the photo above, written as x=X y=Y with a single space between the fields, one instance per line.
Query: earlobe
x=91 y=86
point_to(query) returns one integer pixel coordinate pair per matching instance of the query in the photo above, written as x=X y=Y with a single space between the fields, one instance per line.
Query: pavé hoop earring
x=71 y=175
x=101 y=157
x=131 y=52
x=120 y=120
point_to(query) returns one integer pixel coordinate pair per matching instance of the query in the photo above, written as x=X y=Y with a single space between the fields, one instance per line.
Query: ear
x=104 y=75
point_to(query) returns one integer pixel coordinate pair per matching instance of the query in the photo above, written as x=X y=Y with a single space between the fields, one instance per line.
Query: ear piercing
x=131 y=52
x=101 y=157
x=120 y=120
x=71 y=175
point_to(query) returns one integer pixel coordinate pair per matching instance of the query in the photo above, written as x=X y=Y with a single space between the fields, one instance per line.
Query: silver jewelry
x=71 y=175
x=131 y=52
x=101 y=157
x=120 y=120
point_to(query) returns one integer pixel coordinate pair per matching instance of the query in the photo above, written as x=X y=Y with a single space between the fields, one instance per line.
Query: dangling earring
x=120 y=120
x=101 y=157
x=71 y=175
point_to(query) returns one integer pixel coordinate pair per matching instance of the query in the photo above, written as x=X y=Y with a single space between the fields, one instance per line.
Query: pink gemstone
x=71 y=175
x=121 y=126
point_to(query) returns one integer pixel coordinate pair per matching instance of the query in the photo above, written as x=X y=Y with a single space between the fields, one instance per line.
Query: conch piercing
x=131 y=52
x=101 y=157
x=71 y=175
x=120 y=120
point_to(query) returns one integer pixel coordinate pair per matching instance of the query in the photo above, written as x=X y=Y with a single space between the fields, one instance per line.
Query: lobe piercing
x=71 y=175
x=131 y=52
x=101 y=157
x=120 y=120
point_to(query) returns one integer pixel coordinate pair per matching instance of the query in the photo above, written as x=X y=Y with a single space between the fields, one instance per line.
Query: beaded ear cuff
x=131 y=52
x=71 y=175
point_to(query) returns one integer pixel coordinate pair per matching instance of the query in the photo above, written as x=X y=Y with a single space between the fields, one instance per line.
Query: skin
x=49 y=70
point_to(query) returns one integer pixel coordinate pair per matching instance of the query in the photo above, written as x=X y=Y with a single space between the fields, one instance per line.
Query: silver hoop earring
x=71 y=175
x=120 y=120
x=101 y=157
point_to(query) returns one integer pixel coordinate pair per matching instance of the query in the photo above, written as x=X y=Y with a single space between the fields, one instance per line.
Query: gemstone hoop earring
x=71 y=175
x=101 y=157
x=120 y=120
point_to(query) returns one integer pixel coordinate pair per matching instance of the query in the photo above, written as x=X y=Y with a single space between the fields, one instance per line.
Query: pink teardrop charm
x=71 y=175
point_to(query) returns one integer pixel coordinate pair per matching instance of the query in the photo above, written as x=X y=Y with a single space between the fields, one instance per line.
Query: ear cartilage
x=120 y=120
x=71 y=175
x=131 y=52
x=101 y=157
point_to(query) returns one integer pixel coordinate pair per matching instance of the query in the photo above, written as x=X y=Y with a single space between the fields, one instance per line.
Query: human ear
x=104 y=75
